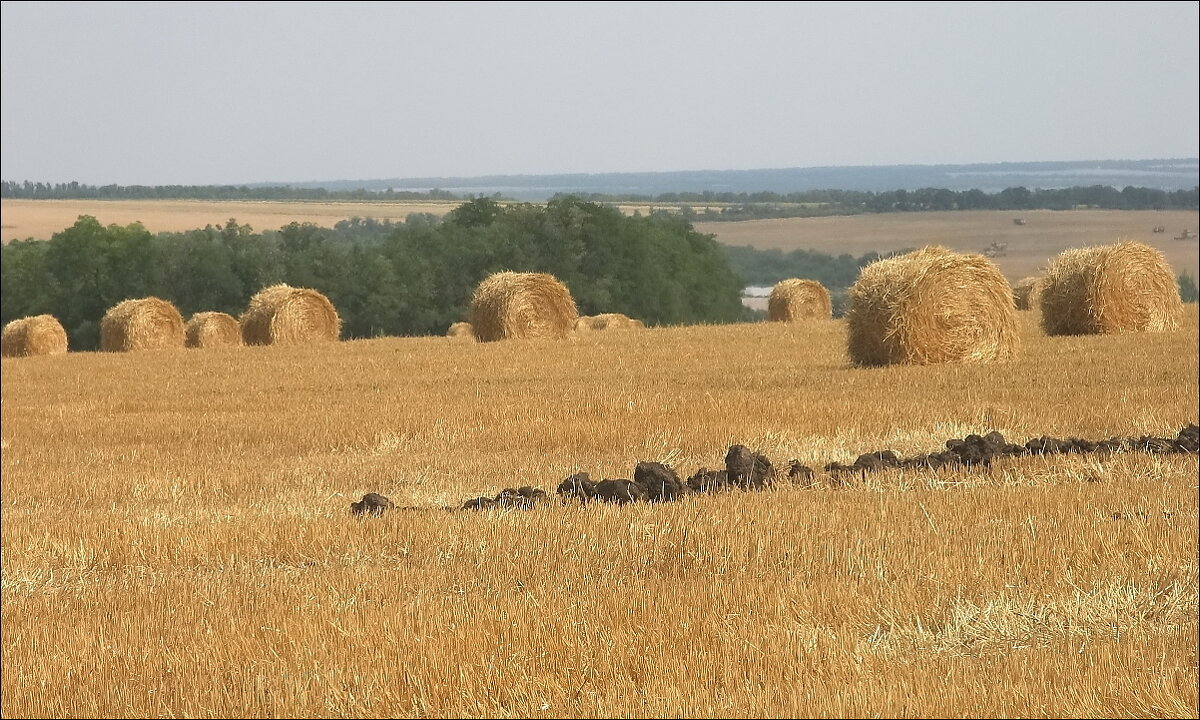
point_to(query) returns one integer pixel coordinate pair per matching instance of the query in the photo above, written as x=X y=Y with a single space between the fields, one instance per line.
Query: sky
x=213 y=93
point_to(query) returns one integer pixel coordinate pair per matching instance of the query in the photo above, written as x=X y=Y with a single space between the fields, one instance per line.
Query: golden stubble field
x=1045 y=234
x=176 y=540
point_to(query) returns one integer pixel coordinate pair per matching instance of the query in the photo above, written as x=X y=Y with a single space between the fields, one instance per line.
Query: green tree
x=1187 y=288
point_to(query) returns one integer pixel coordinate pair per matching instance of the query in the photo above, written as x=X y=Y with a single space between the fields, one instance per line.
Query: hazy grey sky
x=214 y=93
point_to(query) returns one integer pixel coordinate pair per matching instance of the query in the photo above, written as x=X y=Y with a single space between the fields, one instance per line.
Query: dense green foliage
x=767 y=267
x=1188 y=291
x=411 y=278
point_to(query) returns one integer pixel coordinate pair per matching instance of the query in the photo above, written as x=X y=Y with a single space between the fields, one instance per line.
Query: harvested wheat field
x=1028 y=247
x=188 y=549
x=40 y=219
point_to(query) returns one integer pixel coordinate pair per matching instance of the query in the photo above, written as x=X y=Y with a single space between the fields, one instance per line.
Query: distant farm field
x=177 y=542
x=1044 y=234
x=40 y=219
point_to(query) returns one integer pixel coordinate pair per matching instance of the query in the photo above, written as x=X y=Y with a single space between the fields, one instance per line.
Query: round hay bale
x=1027 y=293
x=1108 y=289
x=35 y=335
x=510 y=305
x=607 y=321
x=212 y=329
x=284 y=315
x=461 y=330
x=931 y=306
x=795 y=299
x=142 y=324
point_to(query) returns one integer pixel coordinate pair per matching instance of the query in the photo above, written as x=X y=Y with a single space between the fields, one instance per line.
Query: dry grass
x=608 y=321
x=1119 y=288
x=1027 y=293
x=212 y=329
x=931 y=306
x=34 y=335
x=796 y=299
x=515 y=305
x=284 y=315
x=461 y=330
x=147 y=323
x=192 y=554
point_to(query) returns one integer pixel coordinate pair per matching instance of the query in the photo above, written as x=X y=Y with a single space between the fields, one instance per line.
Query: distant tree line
x=821 y=203
x=75 y=191
x=385 y=278
x=737 y=206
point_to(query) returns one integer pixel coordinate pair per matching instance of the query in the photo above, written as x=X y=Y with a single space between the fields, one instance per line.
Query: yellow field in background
x=1045 y=234
x=176 y=537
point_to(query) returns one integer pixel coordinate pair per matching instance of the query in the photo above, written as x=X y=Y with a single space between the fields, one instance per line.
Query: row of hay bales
x=509 y=305
x=1109 y=289
x=928 y=306
x=938 y=306
x=276 y=315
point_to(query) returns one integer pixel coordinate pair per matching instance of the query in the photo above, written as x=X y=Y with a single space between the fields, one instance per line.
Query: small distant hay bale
x=461 y=330
x=931 y=306
x=510 y=305
x=284 y=315
x=35 y=335
x=1126 y=287
x=795 y=299
x=1027 y=293
x=212 y=329
x=143 y=324
x=607 y=321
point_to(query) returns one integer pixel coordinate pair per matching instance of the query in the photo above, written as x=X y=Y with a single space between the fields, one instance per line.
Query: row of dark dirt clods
x=749 y=470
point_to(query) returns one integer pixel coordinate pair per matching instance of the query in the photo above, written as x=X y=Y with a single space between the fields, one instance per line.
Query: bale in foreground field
x=36 y=335
x=461 y=330
x=931 y=306
x=607 y=321
x=212 y=329
x=142 y=324
x=284 y=315
x=795 y=299
x=1027 y=293
x=522 y=305
x=1121 y=288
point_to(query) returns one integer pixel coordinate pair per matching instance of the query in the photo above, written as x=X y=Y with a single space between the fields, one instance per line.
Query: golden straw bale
x=461 y=330
x=35 y=335
x=143 y=324
x=931 y=306
x=1027 y=293
x=284 y=315
x=795 y=299
x=1121 y=288
x=522 y=305
x=212 y=329
x=607 y=321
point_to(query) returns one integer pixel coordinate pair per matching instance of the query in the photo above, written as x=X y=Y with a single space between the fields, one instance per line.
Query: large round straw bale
x=1027 y=293
x=1121 y=288
x=522 y=305
x=931 y=306
x=607 y=321
x=284 y=315
x=142 y=324
x=795 y=299
x=461 y=330
x=212 y=329
x=36 y=335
